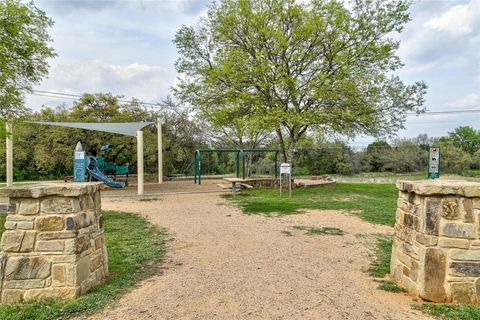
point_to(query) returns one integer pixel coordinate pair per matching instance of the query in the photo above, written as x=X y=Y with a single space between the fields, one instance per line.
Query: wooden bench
x=246 y=186
x=224 y=186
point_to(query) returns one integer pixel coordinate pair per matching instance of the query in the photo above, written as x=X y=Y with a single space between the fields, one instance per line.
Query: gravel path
x=227 y=265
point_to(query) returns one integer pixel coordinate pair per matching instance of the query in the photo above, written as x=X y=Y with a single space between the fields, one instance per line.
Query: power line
x=72 y=96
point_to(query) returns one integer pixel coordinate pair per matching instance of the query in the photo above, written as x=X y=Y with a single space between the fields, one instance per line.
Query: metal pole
x=237 y=167
x=160 y=151
x=195 y=167
x=280 y=180
x=199 y=167
x=9 y=155
x=276 y=165
x=290 y=185
x=140 y=162
x=243 y=164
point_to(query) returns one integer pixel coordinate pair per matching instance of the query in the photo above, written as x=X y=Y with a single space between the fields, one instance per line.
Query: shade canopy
x=125 y=128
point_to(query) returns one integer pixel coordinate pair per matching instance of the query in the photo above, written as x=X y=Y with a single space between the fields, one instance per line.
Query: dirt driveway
x=227 y=265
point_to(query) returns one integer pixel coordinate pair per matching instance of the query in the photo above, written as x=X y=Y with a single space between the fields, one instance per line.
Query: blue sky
x=125 y=47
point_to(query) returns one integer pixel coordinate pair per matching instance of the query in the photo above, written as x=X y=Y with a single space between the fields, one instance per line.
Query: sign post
x=286 y=169
x=79 y=165
x=434 y=163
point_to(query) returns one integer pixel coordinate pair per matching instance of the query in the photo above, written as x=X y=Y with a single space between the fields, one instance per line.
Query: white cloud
x=458 y=20
x=148 y=83
x=445 y=36
x=468 y=101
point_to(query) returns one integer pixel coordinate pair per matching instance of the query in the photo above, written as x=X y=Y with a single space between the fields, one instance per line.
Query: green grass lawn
x=375 y=203
x=135 y=250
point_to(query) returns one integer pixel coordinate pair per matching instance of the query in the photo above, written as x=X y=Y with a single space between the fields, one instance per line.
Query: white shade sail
x=125 y=128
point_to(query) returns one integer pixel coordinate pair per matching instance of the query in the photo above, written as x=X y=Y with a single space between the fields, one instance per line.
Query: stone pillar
x=54 y=245
x=436 y=249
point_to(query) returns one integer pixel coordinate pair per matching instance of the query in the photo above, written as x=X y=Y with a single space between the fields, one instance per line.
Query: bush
x=343 y=168
x=300 y=171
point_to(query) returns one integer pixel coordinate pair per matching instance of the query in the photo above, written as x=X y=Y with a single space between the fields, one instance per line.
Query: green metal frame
x=240 y=153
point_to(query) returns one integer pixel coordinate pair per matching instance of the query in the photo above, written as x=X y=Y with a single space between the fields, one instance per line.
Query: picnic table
x=234 y=182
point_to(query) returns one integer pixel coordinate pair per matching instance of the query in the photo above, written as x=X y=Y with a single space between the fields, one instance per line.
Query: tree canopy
x=294 y=66
x=466 y=138
x=24 y=52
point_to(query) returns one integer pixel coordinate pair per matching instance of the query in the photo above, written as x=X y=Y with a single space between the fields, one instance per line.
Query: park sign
x=434 y=163
x=79 y=166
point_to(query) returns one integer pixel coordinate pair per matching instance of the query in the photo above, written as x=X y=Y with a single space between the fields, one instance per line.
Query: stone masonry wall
x=54 y=245
x=436 y=249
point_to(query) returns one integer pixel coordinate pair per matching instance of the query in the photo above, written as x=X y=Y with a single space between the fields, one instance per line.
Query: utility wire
x=72 y=96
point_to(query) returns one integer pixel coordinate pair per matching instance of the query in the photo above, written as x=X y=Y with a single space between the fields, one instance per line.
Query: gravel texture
x=223 y=264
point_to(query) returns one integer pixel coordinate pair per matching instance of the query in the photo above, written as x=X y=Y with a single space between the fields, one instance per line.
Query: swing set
x=239 y=156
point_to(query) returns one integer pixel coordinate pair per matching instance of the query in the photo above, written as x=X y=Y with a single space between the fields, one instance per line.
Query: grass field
x=375 y=203
x=135 y=250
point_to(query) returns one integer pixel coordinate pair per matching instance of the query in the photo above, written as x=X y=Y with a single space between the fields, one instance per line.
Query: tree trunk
x=281 y=143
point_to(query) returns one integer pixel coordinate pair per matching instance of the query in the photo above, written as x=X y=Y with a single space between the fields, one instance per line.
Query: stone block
x=58 y=275
x=46 y=293
x=24 y=284
x=99 y=242
x=411 y=250
x=10 y=225
x=465 y=269
x=96 y=262
x=475 y=243
x=459 y=230
x=50 y=223
x=463 y=292
x=82 y=243
x=24 y=225
x=50 y=246
x=15 y=218
x=450 y=209
x=12 y=240
x=56 y=235
x=465 y=255
x=60 y=205
x=398 y=272
x=434 y=275
x=414 y=270
x=402 y=204
x=426 y=240
x=83 y=270
x=432 y=211
x=65 y=258
x=28 y=241
x=476 y=203
x=98 y=201
x=28 y=207
x=84 y=219
x=468 y=216
x=24 y=267
x=477 y=289
x=454 y=243
x=12 y=296
x=410 y=285
x=70 y=275
x=409 y=220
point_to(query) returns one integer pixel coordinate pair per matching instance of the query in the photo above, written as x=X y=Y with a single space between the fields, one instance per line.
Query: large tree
x=296 y=66
x=24 y=53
